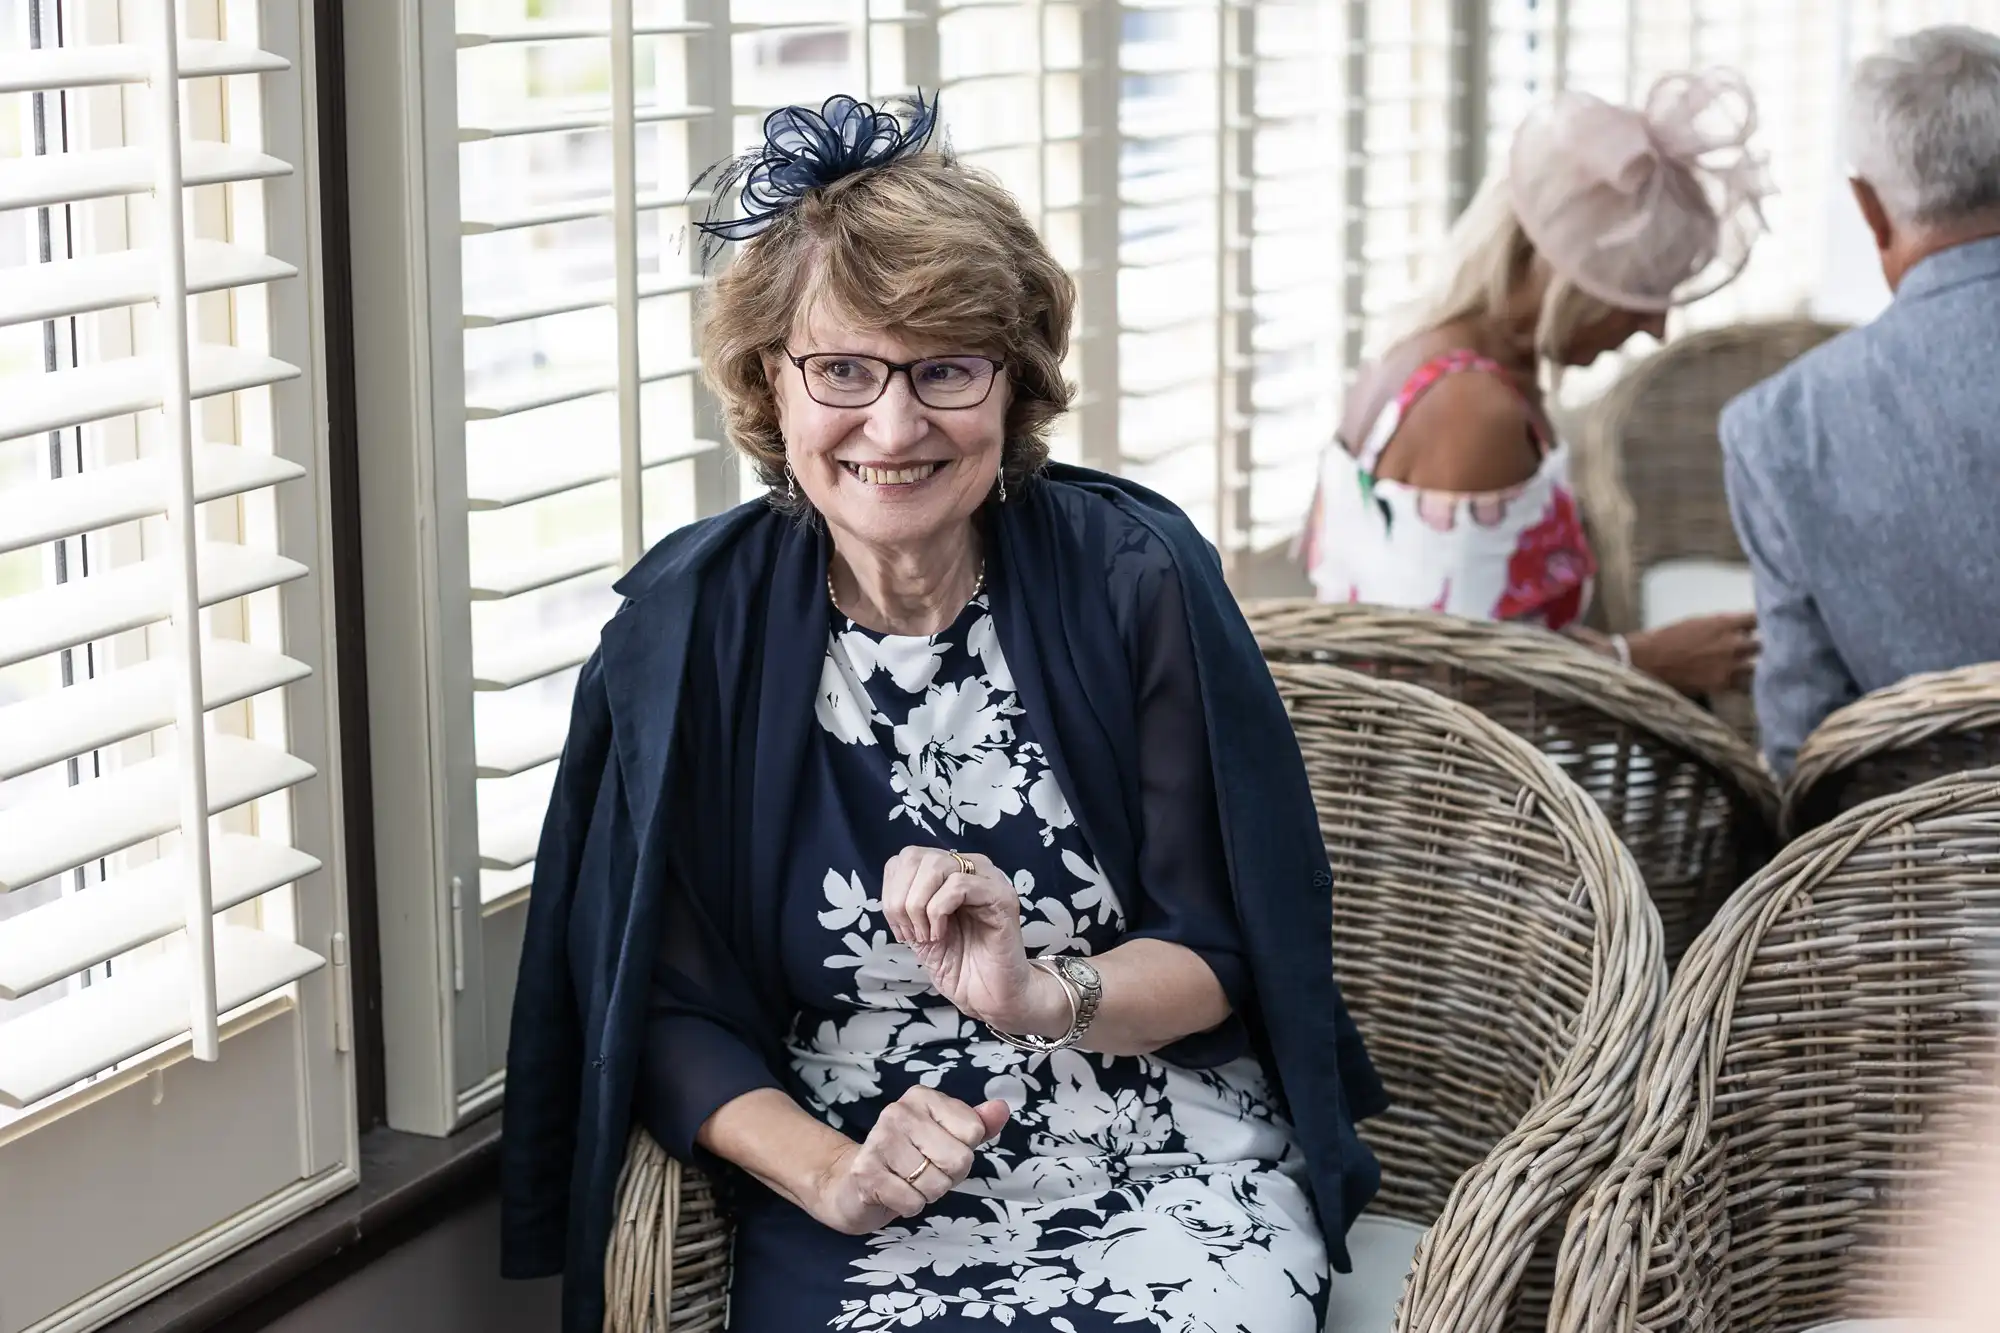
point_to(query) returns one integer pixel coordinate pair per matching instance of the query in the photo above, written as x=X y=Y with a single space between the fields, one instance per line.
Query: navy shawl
x=718 y=648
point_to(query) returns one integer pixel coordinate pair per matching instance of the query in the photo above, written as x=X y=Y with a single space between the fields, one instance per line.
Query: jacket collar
x=644 y=647
x=1974 y=261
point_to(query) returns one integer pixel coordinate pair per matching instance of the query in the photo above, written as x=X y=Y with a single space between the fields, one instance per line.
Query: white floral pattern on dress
x=1123 y=1191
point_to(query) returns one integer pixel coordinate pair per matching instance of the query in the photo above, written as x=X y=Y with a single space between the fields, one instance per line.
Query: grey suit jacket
x=1865 y=483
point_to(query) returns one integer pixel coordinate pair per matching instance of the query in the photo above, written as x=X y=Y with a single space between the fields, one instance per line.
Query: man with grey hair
x=1865 y=477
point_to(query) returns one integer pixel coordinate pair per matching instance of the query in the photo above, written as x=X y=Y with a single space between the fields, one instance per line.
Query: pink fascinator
x=1644 y=209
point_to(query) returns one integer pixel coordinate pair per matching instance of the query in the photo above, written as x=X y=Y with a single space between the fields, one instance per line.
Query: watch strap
x=1083 y=1001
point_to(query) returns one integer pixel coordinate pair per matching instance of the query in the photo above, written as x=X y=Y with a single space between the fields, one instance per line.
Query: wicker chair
x=1495 y=945
x=1685 y=794
x=1794 y=1093
x=1653 y=434
x=1921 y=728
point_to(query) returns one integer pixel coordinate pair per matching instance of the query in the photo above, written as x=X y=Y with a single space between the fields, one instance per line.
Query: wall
x=446 y=1280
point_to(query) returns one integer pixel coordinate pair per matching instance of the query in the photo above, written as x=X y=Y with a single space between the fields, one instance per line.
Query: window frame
x=290 y=1050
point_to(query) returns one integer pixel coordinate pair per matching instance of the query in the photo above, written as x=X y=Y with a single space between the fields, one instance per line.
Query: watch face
x=1084 y=974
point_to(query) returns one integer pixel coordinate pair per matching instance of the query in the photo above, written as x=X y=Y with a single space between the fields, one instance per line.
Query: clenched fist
x=920 y=1148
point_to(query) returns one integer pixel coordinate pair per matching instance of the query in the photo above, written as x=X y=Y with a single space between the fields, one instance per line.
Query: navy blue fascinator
x=805 y=150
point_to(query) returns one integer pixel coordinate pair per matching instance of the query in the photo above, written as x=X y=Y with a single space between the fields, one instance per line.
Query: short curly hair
x=925 y=247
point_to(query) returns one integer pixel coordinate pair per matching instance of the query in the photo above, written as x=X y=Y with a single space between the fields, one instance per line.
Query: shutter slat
x=1146 y=194
x=562 y=122
x=510 y=309
x=82 y=1034
x=562 y=31
x=524 y=393
x=139 y=699
x=99 y=66
x=36 y=404
x=1164 y=130
x=46 y=511
x=1159 y=450
x=110 y=603
x=832 y=25
x=574 y=210
x=141 y=801
x=543 y=568
x=542 y=656
x=84 y=929
x=511 y=847
x=126 y=277
x=504 y=484
x=62 y=178
x=520 y=748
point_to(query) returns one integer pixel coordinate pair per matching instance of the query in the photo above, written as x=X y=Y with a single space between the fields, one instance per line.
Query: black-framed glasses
x=851 y=379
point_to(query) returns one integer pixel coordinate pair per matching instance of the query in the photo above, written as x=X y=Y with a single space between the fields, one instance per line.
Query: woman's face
x=895 y=473
x=1609 y=332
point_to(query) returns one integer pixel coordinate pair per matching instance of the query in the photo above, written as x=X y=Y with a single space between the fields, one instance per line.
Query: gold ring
x=917 y=1174
x=965 y=866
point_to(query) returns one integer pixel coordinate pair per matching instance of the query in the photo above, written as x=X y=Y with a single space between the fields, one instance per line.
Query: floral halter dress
x=1517 y=554
x=1124 y=1191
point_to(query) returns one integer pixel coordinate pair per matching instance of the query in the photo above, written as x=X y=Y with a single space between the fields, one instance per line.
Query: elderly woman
x=1447 y=488
x=931 y=859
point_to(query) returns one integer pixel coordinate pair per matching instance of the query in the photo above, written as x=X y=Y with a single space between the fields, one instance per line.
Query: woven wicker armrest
x=1629 y=1235
x=667 y=1266
x=1297 y=629
x=1472 y=1260
x=1892 y=739
x=1680 y=788
x=1499 y=952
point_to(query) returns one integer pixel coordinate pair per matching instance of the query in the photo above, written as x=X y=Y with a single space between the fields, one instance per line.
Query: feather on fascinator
x=1644 y=208
x=806 y=150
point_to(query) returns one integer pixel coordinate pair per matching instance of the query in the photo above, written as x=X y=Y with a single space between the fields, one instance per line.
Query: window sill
x=408 y=1182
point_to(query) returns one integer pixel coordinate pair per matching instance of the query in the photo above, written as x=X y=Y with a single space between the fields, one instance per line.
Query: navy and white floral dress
x=1124 y=1192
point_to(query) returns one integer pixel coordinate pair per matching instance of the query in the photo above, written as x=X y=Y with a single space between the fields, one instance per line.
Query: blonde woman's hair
x=925 y=247
x=1487 y=254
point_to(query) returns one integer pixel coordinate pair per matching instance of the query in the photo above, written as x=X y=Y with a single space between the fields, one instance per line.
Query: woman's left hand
x=966 y=929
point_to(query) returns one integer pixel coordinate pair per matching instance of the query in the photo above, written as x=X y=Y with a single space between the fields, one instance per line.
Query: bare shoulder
x=1470 y=432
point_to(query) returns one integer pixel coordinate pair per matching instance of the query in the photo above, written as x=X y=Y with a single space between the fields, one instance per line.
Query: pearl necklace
x=978 y=586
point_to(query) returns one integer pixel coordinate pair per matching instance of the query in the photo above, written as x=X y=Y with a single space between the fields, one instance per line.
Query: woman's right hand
x=1701 y=655
x=920 y=1148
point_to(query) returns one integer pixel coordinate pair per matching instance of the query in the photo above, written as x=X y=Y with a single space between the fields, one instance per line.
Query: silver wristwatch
x=1085 y=988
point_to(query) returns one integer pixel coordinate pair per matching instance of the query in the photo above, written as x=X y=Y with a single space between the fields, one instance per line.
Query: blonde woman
x=1447 y=487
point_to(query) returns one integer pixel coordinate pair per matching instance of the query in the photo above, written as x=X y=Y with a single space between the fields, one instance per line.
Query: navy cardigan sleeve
x=703 y=1044
x=1183 y=873
x=694 y=1060
x=546 y=1042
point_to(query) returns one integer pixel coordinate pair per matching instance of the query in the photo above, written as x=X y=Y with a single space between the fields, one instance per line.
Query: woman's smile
x=894 y=478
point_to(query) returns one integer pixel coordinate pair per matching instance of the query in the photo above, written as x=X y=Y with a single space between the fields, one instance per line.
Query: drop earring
x=791 y=484
x=1003 y=485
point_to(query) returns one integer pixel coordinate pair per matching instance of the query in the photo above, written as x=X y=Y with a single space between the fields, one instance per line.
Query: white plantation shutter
x=167 y=820
x=1173 y=377
x=1404 y=147
x=1295 y=283
x=1789 y=51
